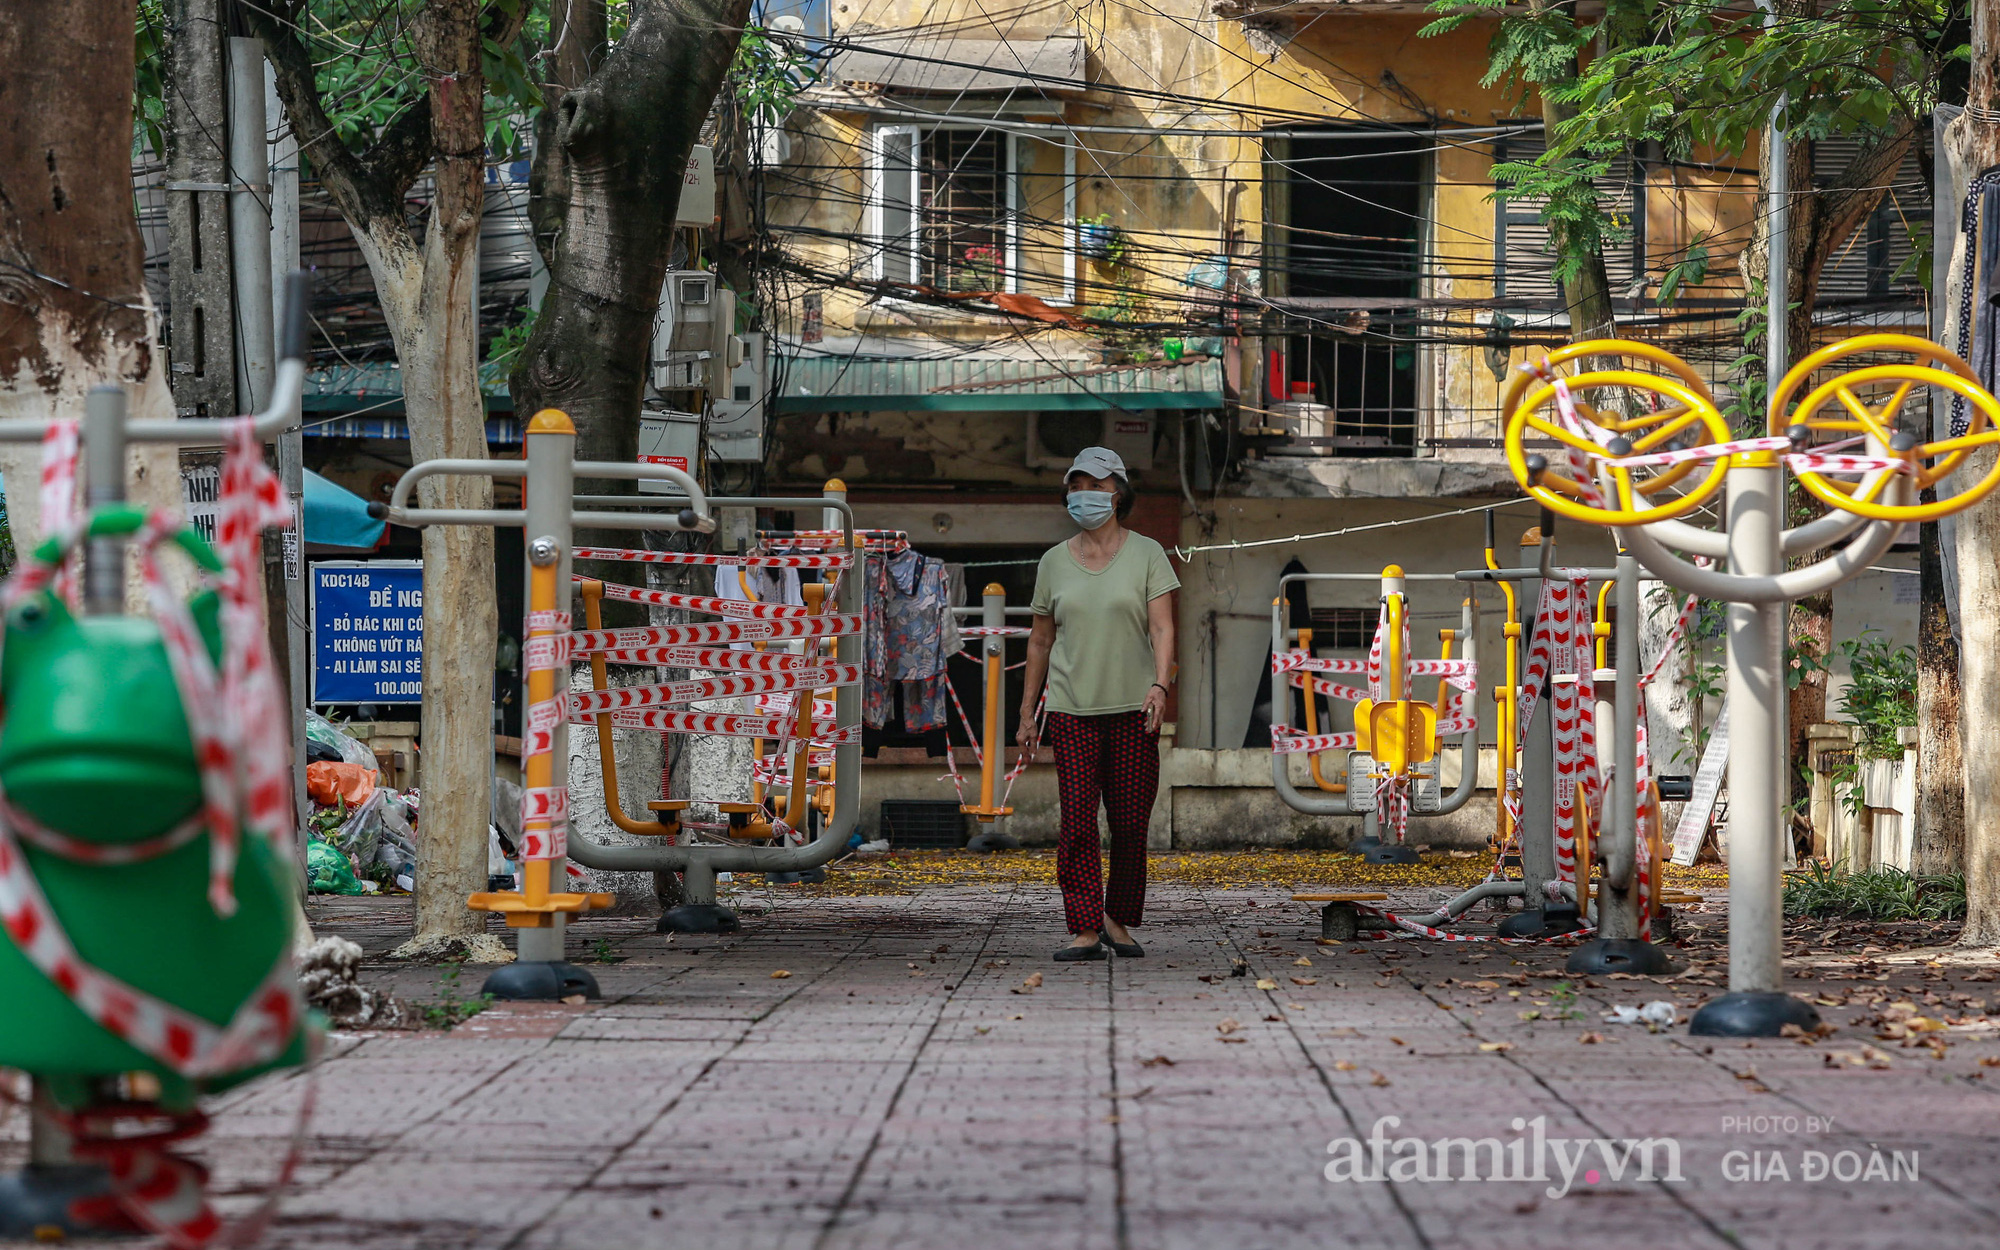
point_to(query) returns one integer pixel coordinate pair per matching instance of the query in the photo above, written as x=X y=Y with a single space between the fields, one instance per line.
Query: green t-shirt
x=1103 y=658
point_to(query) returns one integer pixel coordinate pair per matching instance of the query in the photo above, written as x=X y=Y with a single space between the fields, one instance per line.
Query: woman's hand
x=1155 y=707
x=1027 y=732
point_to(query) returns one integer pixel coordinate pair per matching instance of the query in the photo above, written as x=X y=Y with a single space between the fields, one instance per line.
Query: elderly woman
x=1104 y=640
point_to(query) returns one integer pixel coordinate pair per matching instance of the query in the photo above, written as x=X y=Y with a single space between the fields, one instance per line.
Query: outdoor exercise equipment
x=989 y=746
x=537 y=912
x=1392 y=760
x=147 y=881
x=1608 y=458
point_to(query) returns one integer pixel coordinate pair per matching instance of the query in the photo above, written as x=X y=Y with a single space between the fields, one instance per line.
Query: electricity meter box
x=695 y=325
x=669 y=438
x=736 y=423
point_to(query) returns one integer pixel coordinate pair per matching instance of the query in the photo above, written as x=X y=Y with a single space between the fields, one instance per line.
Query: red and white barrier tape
x=1288 y=741
x=876 y=540
x=708 y=633
x=994 y=631
x=629 y=555
x=58 y=497
x=588 y=703
x=1332 y=690
x=699 y=603
x=724 y=658
x=545 y=810
x=729 y=725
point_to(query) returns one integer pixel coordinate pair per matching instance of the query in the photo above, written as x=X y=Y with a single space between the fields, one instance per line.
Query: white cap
x=1097 y=462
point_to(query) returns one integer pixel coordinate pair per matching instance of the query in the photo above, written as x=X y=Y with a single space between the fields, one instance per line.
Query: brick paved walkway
x=896 y=1090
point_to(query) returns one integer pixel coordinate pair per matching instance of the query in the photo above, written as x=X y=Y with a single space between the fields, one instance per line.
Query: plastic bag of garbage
x=328 y=783
x=328 y=871
x=507 y=809
x=1656 y=1015
x=352 y=751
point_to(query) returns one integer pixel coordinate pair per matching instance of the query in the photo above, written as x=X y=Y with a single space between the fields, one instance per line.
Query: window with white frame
x=973 y=208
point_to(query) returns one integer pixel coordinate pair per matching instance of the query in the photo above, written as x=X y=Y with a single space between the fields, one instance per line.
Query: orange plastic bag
x=328 y=782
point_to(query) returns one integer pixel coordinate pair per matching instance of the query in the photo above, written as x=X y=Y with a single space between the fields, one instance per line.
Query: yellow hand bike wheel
x=1920 y=351
x=1929 y=462
x=1604 y=351
x=1691 y=420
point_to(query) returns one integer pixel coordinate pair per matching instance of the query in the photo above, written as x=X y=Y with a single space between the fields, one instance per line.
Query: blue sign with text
x=368 y=631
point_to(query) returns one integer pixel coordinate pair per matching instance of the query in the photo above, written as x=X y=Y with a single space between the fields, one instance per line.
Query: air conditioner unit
x=736 y=426
x=1055 y=437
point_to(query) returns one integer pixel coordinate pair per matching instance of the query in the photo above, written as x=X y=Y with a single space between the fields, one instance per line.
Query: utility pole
x=201 y=310
x=284 y=175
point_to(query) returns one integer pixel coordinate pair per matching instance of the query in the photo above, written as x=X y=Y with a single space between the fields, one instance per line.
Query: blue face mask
x=1091 y=508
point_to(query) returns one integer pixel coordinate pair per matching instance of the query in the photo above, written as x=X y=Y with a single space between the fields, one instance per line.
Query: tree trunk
x=1975 y=147
x=426 y=285
x=613 y=166
x=1587 y=295
x=1940 y=837
x=73 y=307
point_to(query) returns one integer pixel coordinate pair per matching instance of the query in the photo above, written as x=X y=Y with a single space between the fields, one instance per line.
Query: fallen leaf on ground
x=574 y=1000
x=1156 y=1061
x=1029 y=986
x=1496 y=1045
x=1302 y=962
x=1591 y=1039
x=1305 y=980
x=1266 y=983
x=982 y=1029
x=1379 y=1079
x=780 y=975
x=1229 y=1025
x=1344 y=1065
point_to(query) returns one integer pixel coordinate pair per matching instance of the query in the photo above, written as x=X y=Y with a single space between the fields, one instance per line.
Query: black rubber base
x=35 y=1203
x=698 y=918
x=1753 y=1013
x=993 y=840
x=1364 y=844
x=1601 y=955
x=539 y=982
x=1390 y=853
x=1549 y=921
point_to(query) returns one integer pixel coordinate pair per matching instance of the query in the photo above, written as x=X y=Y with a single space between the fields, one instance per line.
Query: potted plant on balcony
x=1099 y=240
x=979 y=270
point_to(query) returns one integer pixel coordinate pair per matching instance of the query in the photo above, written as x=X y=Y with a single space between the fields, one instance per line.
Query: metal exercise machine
x=1394 y=746
x=1847 y=445
x=552 y=510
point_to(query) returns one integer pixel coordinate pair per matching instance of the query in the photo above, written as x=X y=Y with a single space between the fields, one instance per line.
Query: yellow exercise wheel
x=1685 y=417
x=1850 y=406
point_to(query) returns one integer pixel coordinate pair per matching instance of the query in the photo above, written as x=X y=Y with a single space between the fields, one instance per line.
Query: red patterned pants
x=1113 y=760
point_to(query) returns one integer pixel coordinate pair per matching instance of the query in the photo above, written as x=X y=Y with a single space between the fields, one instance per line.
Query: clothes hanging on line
x=912 y=634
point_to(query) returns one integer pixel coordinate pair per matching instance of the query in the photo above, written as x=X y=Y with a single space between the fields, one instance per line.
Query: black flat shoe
x=1078 y=954
x=1126 y=950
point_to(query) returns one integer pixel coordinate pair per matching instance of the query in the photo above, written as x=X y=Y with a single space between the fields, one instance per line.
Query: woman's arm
x=1160 y=628
x=1041 y=641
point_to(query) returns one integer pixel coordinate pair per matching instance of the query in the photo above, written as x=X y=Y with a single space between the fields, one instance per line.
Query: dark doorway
x=1351 y=254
